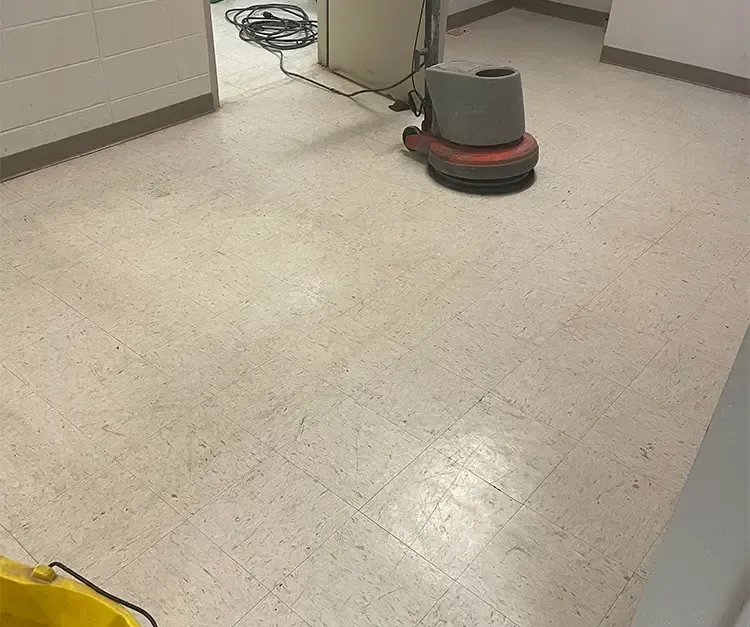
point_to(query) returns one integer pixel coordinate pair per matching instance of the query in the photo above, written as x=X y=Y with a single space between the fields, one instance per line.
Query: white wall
x=713 y=34
x=454 y=6
x=69 y=66
x=597 y=5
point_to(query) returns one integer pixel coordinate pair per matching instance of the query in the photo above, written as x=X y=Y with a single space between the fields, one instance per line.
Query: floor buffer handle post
x=432 y=54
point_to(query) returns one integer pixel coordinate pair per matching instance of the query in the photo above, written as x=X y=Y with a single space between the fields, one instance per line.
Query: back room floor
x=258 y=369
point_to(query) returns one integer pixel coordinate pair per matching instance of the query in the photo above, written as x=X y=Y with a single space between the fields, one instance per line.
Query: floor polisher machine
x=474 y=129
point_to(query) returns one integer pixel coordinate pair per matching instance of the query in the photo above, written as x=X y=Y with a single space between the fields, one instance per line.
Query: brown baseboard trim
x=675 y=69
x=564 y=11
x=474 y=14
x=95 y=139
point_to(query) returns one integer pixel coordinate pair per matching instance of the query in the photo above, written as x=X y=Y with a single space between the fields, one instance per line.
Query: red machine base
x=483 y=169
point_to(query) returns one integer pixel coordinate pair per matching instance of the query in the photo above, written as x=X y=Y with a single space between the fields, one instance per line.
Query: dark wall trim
x=95 y=139
x=474 y=14
x=675 y=69
x=564 y=11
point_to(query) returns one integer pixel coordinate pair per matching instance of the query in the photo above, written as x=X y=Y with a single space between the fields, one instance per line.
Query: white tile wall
x=51 y=130
x=187 y=18
x=50 y=94
x=133 y=26
x=17 y=12
x=192 y=56
x=69 y=66
x=162 y=97
x=140 y=70
x=54 y=43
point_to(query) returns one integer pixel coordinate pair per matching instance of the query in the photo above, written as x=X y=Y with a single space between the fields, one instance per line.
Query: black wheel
x=408 y=132
x=484 y=186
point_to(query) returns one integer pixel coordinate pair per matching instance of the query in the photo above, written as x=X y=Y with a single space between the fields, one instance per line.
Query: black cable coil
x=279 y=28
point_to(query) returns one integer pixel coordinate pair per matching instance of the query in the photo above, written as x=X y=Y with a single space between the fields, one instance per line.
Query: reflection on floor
x=258 y=369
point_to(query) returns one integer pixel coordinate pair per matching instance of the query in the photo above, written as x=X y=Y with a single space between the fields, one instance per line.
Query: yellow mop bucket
x=37 y=597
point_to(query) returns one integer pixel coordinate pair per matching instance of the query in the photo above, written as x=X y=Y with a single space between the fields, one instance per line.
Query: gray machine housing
x=476 y=104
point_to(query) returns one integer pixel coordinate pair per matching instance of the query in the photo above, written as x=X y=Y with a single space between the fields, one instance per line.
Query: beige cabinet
x=371 y=41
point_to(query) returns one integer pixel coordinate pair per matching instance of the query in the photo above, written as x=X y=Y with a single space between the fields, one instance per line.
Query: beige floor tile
x=615 y=510
x=271 y=612
x=647 y=563
x=420 y=396
x=221 y=281
x=397 y=246
x=151 y=318
x=645 y=307
x=50 y=187
x=605 y=348
x=518 y=451
x=617 y=165
x=404 y=506
x=457 y=281
x=210 y=356
x=536 y=574
x=104 y=389
x=647 y=438
x=95 y=286
x=383 y=581
x=525 y=310
x=709 y=238
x=165 y=252
x=185 y=580
x=404 y=313
x=375 y=203
x=231 y=225
x=352 y=451
x=10 y=279
x=442 y=511
x=685 y=380
x=29 y=313
x=145 y=400
x=50 y=251
x=273 y=519
x=118 y=222
x=191 y=461
x=280 y=315
x=554 y=206
x=275 y=401
x=41 y=456
x=621 y=614
x=11 y=387
x=602 y=247
x=717 y=327
x=168 y=196
x=725 y=209
x=558 y=392
x=342 y=280
x=650 y=222
x=99 y=525
x=559 y=272
x=475 y=348
x=8 y=196
x=344 y=353
x=10 y=549
x=77 y=358
x=466 y=435
x=460 y=608
x=675 y=271
x=501 y=251
x=289 y=207
x=660 y=188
